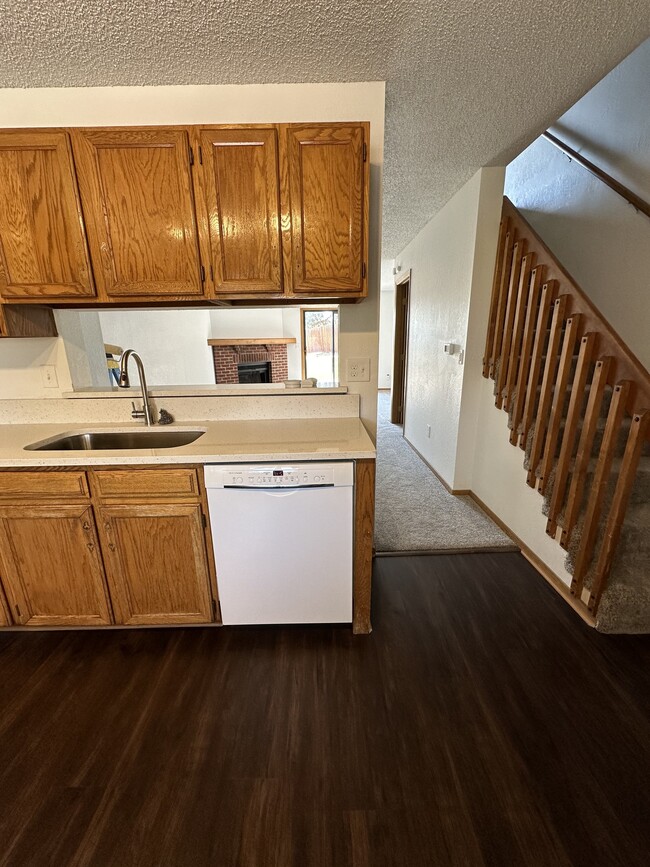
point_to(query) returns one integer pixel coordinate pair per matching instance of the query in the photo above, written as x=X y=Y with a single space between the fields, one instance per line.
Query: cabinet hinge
x=200 y=155
x=191 y=157
x=216 y=610
x=202 y=274
x=18 y=611
x=363 y=270
x=204 y=519
x=365 y=152
x=211 y=272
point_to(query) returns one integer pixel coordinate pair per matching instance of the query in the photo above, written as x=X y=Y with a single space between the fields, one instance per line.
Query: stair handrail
x=625 y=363
x=611 y=182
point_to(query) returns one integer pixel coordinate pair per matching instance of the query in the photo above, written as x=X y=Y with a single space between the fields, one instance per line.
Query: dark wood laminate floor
x=482 y=723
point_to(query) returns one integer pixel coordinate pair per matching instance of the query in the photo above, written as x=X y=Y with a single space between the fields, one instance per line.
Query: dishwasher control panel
x=279 y=475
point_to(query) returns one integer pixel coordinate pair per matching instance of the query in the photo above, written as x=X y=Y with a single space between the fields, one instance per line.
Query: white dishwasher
x=283 y=540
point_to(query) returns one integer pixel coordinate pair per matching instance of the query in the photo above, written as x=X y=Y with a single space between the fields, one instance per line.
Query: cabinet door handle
x=107 y=526
x=86 y=525
x=90 y=546
x=111 y=546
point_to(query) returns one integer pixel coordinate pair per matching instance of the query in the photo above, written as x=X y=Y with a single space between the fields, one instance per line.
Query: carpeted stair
x=533 y=349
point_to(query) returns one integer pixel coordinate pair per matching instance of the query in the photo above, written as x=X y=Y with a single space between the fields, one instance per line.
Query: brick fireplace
x=243 y=360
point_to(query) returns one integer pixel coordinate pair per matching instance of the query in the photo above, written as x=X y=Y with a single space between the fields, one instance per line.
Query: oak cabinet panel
x=36 y=485
x=329 y=208
x=241 y=188
x=171 y=483
x=50 y=566
x=138 y=201
x=43 y=251
x=156 y=563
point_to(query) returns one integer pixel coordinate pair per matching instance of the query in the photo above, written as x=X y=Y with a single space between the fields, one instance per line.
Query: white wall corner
x=488 y=218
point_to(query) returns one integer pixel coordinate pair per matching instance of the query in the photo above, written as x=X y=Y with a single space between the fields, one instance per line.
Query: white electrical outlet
x=48 y=376
x=359 y=369
x=428 y=430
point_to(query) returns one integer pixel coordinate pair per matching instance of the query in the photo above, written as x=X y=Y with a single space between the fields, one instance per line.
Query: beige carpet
x=414 y=511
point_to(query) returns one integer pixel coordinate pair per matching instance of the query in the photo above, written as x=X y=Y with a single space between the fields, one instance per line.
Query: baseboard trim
x=549 y=576
x=457 y=492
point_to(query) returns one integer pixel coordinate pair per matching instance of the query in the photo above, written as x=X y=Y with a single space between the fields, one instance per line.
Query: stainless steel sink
x=109 y=440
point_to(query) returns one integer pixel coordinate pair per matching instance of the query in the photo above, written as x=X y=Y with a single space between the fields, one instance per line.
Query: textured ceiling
x=468 y=82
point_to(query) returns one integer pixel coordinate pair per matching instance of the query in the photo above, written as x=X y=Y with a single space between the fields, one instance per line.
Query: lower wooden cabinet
x=156 y=563
x=50 y=566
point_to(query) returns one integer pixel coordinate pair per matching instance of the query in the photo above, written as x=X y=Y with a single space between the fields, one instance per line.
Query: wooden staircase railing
x=576 y=396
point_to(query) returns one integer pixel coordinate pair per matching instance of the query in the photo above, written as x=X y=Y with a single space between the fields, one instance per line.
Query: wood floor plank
x=481 y=723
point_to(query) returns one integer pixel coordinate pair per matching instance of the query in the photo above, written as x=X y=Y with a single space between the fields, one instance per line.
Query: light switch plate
x=48 y=376
x=358 y=369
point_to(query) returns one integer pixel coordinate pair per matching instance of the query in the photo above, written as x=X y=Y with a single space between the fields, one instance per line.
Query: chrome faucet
x=145 y=412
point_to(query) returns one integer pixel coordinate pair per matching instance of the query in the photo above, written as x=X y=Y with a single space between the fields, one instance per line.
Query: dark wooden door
x=400 y=352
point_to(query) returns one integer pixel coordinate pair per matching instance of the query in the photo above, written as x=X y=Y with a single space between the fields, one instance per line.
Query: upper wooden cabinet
x=328 y=181
x=176 y=214
x=241 y=190
x=43 y=251
x=138 y=201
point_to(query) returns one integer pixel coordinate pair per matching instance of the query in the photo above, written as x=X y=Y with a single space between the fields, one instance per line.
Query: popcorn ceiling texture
x=468 y=84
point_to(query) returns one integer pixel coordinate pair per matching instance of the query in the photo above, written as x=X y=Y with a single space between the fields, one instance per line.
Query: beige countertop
x=223 y=441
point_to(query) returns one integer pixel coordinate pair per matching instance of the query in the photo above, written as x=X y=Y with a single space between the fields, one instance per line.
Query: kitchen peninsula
x=123 y=537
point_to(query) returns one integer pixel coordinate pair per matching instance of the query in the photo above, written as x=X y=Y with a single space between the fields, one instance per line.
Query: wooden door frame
x=310 y=309
x=400 y=365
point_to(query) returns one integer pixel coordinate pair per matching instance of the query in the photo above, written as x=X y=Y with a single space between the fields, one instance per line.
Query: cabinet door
x=156 y=563
x=328 y=179
x=43 y=251
x=137 y=195
x=241 y=186
x=50 y=566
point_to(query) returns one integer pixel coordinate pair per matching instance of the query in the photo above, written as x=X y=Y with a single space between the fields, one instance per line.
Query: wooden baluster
x=511 y=306
x=547 y=298
x=585 y=444
x=526 y=349
x=518 y=328
x=587 y=348
x=599 y=486
x=546 y=394
x=559 y=396
x=624 y=483
x=494 y=298
x=502 y=301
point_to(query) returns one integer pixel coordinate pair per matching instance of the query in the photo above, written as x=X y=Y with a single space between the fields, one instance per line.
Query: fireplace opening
x=254 y=371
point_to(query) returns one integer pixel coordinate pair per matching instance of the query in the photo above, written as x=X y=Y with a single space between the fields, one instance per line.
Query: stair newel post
x=571 y=333
x=636 y=438
x=504 y=228
x=599 y=486
x=585 y=355
x=514 y=286
x=585 y=444
x=532 y=308
x=549 y=290
x=548 y=380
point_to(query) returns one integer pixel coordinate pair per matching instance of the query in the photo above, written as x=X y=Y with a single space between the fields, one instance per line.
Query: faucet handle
x=136 y=413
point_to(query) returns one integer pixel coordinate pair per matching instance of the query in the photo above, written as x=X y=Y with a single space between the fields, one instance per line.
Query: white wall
x=442 y=263
x=21 y=364
x=386 y=336
x=258 y=322
x=598 y=237
x=291 y=328
x=173 y=345
x=106 y=106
